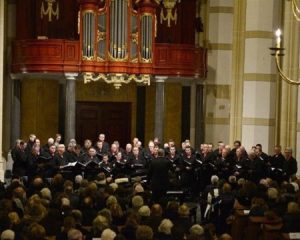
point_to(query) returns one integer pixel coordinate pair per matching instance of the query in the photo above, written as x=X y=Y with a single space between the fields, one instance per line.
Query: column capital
x=71 y=76
x=161 y=78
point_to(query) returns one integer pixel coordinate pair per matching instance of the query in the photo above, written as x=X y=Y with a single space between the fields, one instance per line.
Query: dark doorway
x=111 y=118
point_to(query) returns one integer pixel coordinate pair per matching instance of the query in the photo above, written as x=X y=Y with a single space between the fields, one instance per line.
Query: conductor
x=158 y=176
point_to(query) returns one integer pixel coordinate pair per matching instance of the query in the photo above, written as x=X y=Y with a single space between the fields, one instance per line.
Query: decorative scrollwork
x=117 y=79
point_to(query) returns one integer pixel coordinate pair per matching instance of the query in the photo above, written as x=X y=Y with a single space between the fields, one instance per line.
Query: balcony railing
x=59 y=56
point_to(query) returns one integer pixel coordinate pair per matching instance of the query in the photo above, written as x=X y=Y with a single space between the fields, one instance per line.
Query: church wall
x=172 y=121
x=39 y=108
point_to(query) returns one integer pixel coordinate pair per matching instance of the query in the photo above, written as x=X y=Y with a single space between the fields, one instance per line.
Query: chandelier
x=277 y=53
x=117 y=41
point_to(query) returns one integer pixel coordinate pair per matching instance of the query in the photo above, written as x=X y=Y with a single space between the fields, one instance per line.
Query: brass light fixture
x=296 y=10
x=277 y=53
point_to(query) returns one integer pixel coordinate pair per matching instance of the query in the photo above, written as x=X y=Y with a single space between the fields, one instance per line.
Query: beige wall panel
x=221 y=27
x=257 y=56
x=215 y=133
x=39 y=108
x=217 y=101
x=219 y=67
x=298 y=108
x=259 y=100
x=297 y=152
x=221 y=3
x=260 y=15
x=258 y=134
x=150 y=110
x=102 y=92
x=172 y=121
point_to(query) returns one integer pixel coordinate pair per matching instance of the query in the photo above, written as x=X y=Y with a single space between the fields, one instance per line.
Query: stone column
x=16 y=111
x=218 y=36
x=193 y=116
x=159 y=107
x=259 y=77
x=2 y=160
x=289 y=93
x=238 y=55
x=70 y=127
x=199 y=116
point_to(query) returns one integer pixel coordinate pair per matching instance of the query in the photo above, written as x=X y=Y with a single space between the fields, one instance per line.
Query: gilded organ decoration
x=50 y=11
x=169 y=5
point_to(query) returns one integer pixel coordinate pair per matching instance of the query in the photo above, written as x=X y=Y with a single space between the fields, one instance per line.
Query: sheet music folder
x=80 y=166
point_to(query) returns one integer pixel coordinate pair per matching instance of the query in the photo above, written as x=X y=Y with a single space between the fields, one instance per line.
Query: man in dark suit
x=276 y=164
x=158 y=176
x=101 y=138
x=290 y=164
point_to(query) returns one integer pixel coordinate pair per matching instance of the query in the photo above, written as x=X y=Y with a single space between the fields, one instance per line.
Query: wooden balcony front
x=62 y=56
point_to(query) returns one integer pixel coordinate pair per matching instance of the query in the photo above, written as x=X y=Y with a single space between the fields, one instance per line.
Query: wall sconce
x=169 y=5
x=277 y=53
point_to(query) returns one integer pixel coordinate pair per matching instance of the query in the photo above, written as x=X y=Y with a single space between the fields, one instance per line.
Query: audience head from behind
x=165 y=226
x=108 y=234
x=78 y=179
x=225 y=236
x=183 y=210
x=36 y=232
x=214 y=180
x=196 y=232
x=293 y=207
x=144 y=211
x=8 y=235
x=156 y=210
x=137 y=201
x=99 y=224
x=74 y=234
x=272 y=194
x=144 y=232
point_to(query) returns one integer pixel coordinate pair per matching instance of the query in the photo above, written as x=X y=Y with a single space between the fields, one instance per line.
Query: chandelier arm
x=294 y=3
x=281 y=73
x=296 y=10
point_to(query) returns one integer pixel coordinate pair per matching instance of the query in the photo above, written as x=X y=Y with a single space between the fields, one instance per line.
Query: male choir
x=189 y=169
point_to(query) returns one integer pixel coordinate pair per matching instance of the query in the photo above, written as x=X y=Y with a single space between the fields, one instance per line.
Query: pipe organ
x=117 y=40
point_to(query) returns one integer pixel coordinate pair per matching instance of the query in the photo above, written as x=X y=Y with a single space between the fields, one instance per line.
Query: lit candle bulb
x=278 y=40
